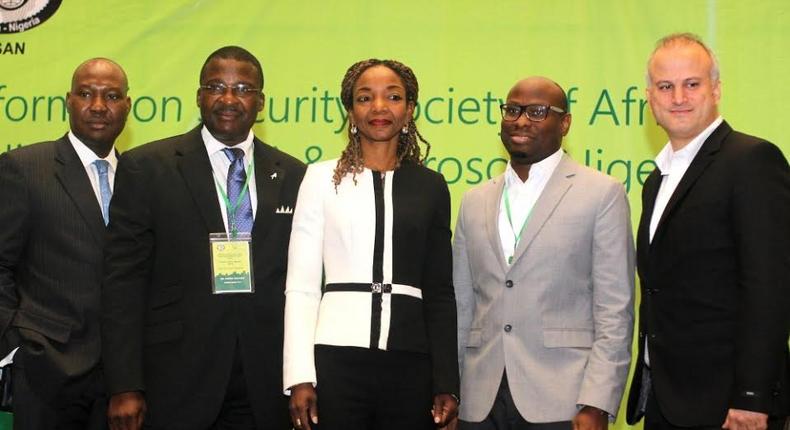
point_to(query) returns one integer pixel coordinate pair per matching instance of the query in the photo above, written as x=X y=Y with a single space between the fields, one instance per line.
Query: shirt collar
x=667 y=159
x=213 y=145
x=542 y=169
x=87 y=156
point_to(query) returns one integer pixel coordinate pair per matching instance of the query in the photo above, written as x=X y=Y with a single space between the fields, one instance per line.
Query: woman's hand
x=303 y=404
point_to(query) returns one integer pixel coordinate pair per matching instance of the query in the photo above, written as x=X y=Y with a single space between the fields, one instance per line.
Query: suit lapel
x=558 y=184
x=493 y=198
x=649 y=194
x=195 y=167
x=696 y=168
x=269 y=177
x=71 y=174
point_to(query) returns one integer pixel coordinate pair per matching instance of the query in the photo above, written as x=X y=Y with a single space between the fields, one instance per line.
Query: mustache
x=227 y=109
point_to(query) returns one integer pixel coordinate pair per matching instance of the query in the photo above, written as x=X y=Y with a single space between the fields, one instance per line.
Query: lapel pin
x=274 y=175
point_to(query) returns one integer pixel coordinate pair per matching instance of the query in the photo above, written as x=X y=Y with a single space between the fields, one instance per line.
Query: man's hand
x=590 y=418
x=303 y=404
x=445 y=409
x=739 y=419
x=126 y=411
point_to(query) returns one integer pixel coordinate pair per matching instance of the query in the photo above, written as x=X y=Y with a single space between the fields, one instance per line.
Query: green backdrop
x=465 y=54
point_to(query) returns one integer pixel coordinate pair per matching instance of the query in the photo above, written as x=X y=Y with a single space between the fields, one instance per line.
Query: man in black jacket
x=53 y=210
x=184 y=347
x=713 y=258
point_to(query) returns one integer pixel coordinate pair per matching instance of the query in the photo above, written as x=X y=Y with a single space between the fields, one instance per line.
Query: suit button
x=509 y=283
x=508 y=327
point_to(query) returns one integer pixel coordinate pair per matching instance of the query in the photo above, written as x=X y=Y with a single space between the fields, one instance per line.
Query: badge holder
x=231 y=263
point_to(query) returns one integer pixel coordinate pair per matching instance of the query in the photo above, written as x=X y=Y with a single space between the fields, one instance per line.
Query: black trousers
x=505 y=416
x=81 y=404
x=236 y=412
x=369 y=389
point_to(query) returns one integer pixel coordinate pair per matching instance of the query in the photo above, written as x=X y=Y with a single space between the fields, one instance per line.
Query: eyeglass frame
x=238 y=90
x=523 y=111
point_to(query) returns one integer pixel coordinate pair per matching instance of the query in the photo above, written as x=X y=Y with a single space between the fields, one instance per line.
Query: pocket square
x=284 y=210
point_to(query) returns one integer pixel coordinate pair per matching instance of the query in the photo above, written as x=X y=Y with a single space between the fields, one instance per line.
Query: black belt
x=373 y=287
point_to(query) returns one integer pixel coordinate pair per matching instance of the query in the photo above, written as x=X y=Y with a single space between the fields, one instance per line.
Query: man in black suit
x=713 y=255
x=179 y=355
x=52 y=230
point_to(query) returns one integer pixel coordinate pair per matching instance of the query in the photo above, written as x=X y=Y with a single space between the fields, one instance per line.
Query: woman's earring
x=405 y=129
x=353 y=129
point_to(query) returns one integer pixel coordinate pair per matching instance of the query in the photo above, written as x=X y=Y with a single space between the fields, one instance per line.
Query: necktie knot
x=234 y=154
x=102 y=166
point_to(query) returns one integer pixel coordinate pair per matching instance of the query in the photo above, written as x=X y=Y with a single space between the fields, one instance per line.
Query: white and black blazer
x=384 y=246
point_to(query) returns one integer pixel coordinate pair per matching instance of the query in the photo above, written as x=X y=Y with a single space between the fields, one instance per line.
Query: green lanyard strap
x=516 y=236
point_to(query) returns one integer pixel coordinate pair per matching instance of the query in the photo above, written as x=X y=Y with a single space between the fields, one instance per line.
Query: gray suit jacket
x=568 y=298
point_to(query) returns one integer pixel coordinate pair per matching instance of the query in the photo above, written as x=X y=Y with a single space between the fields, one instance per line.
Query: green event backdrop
x=466 y=55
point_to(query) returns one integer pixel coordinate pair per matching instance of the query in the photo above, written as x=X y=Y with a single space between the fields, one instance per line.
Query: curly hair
x=351 y=160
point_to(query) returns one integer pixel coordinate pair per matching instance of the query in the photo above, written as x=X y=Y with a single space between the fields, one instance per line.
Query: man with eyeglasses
x=713 y=254
x=544 y=275
x=194 y=281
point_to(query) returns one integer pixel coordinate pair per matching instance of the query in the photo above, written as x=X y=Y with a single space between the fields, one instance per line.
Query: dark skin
x=98 y=104
x=126 y=411
x=529 y=142
x=380 y=111
x=229 y=117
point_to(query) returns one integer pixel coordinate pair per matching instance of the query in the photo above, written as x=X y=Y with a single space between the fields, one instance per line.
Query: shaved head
x=99 y=63
x=549 y=87
x=98 y=104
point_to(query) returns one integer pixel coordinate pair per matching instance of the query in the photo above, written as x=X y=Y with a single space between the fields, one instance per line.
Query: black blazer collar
x=196 y=170
x=71 y=174
x=704 y=157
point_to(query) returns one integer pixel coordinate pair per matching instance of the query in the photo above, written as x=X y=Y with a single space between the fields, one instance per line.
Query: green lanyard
x=516 y=236
x=231 y=208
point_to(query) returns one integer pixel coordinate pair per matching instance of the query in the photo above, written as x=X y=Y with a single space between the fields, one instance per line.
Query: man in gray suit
x=544 y=278
x=54 y=199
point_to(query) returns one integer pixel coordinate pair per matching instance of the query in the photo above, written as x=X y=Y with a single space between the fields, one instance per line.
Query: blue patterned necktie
x=236 y=179
x=102 y=167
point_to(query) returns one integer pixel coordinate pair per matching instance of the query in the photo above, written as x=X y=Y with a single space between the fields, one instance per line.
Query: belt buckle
x=375 y=287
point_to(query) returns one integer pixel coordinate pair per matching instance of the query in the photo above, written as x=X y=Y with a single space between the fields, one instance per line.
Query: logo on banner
x=17 y=16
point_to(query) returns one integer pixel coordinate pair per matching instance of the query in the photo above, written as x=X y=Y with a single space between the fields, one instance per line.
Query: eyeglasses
x=238 y=90
x=534 y=112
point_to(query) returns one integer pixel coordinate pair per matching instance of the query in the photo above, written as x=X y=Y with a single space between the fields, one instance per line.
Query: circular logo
x=17 y=16
x=12 y=4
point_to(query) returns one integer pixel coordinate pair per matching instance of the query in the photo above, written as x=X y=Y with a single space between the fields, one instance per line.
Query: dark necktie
x=239 y=216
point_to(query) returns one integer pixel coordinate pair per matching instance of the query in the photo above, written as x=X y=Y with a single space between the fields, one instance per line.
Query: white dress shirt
x=220 y=165
x=673 y=166
x=88 y=157
x=522 y=196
